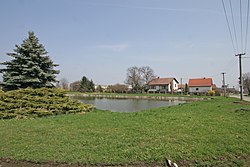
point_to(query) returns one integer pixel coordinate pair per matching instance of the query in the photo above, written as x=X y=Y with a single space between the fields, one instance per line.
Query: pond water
x=126 y=105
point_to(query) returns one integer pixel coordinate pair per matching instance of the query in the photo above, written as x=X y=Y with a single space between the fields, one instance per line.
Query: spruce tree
x=30 y=66
x=186 y=90
x=91 y=86
x=84 y=84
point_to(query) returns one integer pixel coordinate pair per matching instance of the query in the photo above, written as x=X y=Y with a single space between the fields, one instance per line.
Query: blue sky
x=100 y=39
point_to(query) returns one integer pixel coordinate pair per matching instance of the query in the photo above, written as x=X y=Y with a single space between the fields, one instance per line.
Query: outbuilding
x=200 y=85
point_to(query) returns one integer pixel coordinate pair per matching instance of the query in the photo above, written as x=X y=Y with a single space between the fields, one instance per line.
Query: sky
x=101 y=39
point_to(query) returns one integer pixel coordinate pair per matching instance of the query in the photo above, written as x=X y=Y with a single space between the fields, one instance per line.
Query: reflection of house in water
x=163 y=85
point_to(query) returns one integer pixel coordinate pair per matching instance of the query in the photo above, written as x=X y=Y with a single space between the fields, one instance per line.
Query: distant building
x=200 y=85
x=232 y=90
x=101 y=88
x=228 y=90
x=104 y=87
x=163 y=85
x=181 y=87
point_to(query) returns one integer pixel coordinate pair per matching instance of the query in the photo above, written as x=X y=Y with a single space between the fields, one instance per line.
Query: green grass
x=202 y=133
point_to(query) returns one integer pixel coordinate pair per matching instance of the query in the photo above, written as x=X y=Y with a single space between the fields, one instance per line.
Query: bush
x=217 y=93
x=32 y=103
x=211 y=93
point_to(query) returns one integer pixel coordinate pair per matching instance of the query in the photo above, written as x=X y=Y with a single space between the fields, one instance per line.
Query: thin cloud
x=157 y=8
x=114 y=47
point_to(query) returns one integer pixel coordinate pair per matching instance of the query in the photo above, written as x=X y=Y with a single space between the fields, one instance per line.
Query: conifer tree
x=186 y=90
x=91 y=86
x=30 y=66
x=86 y=85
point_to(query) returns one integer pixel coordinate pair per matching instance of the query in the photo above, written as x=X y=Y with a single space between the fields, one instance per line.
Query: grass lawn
x=214 y=132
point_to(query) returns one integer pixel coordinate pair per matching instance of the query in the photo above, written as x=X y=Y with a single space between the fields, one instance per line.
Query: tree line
x=137 y=78
x=134 y=78
x=84 y=85
x=31 y=66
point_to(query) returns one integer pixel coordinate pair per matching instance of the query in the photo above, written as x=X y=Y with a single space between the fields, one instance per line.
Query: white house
x=200 y=85
x=163 y=85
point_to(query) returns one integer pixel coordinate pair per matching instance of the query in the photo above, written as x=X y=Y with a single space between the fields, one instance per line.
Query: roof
x=161 y=81
x=200 y=82
x=214 y=86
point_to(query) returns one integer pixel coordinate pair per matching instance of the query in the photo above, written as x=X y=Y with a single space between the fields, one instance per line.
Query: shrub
x=211 y=93
x=217 y=93
x=32 y=103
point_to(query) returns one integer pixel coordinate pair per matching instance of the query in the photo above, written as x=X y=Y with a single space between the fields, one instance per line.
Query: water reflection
x=126 y=105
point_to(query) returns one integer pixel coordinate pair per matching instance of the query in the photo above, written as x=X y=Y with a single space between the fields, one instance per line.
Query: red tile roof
x=161 y=81
x=200 y=82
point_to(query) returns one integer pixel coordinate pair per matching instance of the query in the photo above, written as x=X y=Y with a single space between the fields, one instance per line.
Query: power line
x=241 y=36
x=228 y=25
x=229 y=66
x=239 y=39
x=234 y=27
x=247 y=26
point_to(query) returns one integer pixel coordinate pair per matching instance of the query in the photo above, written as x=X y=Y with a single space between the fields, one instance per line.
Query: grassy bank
x=213 y=132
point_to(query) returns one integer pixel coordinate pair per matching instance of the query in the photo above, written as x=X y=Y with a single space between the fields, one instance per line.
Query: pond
x=126 y=105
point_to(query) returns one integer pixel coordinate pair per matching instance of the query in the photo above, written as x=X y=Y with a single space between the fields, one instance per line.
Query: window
x=197 y=89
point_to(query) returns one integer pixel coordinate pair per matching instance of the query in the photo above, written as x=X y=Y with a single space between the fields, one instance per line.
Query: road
x=246 y=98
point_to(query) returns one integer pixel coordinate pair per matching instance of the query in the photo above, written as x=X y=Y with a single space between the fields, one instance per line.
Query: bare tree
x=138 y=77
x=147 y=74
x=246 y=82
x=134 y=78
x=75 y=86
x=118 y=88
x=63 y=83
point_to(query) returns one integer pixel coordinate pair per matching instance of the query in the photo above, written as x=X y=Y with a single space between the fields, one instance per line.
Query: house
x=181 y=87
x=200 y=85
x=163 y=85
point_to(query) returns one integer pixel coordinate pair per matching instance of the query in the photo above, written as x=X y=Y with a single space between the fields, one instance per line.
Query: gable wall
x=200 y=89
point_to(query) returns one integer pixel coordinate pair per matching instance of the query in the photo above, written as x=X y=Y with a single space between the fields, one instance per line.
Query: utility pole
x=224 y=84
x=240 y=78
x=181 y=87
